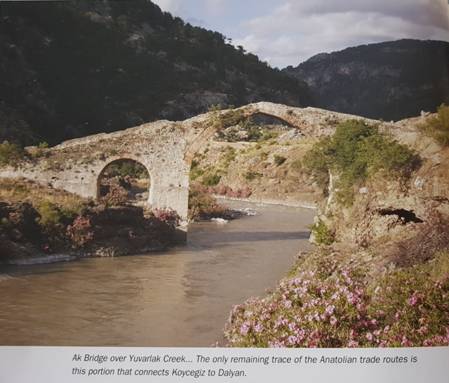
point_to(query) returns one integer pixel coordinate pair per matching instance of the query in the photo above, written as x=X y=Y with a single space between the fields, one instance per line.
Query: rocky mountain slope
x=69 y=69
x=390 y=81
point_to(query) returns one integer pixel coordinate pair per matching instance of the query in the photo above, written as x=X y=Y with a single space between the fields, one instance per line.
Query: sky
x=288 y=32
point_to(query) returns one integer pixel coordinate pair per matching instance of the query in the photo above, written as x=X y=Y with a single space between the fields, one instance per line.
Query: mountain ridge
x=391 y=80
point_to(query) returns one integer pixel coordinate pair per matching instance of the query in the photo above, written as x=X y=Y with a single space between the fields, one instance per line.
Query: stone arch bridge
x=164 y=148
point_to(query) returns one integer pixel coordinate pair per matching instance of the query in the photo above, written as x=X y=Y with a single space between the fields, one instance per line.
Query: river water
x=181 y=297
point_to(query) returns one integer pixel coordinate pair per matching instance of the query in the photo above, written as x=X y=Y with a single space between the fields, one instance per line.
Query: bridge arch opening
x=124 y=182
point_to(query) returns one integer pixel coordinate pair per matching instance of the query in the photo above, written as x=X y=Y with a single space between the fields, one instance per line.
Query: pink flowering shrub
x=80 y=231
x=333 y=306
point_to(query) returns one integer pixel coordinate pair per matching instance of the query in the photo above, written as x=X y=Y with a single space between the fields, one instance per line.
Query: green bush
x=251 y=176
x=53 y=219
x=222 y=120
x=437 y=127
x=10 y=153
x=123 y=168
x=202 y=205
x=229 y=155
x=322 y=234
x=355 y=152
x=211 y=179
x=195 y=170
x=268 y=135
x=279 y=160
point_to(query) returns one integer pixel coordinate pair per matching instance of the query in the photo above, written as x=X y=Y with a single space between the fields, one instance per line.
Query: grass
x=227 y=157
x=16 y=191
x=437 y=126
x=10 y=153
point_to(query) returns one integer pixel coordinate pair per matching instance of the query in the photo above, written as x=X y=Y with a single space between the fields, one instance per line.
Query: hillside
x=390 y=81
x=69 y=69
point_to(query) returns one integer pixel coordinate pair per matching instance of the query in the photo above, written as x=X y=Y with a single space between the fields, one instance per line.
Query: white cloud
x=287 y=32
x=296 y=30
x=185 y=7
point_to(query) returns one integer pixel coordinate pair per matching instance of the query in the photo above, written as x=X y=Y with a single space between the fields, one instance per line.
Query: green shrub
x=10 y=153
x=195 y=169
x=268 y=135
x=251 y=176
x=123 y=168
x=437 y=127
x=51 y=218
x=222 y=120
x=229 y=155
x=211 y=179
x=355 y=152
x=322 y=234
x=279 y=160
x=202 y=205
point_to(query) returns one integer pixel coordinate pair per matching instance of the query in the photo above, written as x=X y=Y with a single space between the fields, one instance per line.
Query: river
x=181 y=297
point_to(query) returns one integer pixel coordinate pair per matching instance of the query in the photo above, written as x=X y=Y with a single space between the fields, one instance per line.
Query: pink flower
x=244 y=328
x=423 y=330
x=405 y=342
x=353 y=344
x=330 y=309
x=414 y=299
x=369 y=336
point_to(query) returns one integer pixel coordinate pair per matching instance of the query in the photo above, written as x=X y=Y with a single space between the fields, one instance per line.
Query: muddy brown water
x=181 y=297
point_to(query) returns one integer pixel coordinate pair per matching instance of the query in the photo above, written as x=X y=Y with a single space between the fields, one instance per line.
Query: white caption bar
x=78 y=364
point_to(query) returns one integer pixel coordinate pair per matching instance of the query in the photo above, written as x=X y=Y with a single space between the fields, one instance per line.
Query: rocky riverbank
x=49 y=234
x=40 y=224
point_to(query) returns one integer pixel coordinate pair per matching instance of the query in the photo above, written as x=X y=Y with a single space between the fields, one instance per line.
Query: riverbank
x=48 y=233
x=39 y=224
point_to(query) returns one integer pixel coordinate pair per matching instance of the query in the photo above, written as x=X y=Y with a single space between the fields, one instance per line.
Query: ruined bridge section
x=311 y=122
x=76 y=165
x=165 y=148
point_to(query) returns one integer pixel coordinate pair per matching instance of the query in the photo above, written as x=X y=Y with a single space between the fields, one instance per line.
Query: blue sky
x=287 y=32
